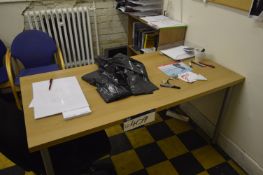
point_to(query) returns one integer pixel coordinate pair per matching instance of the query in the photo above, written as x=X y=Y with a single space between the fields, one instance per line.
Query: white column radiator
x=71 y=28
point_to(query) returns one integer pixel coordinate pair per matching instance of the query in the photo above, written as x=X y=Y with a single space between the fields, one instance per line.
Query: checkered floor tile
x=164 y=147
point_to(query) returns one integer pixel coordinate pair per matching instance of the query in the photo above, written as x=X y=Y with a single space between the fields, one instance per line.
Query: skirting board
x=240 y=156
x=233 y=150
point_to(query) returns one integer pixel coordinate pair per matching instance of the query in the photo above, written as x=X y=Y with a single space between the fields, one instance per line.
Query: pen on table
x=209 y=65
x=201 y=65
x=50 y=83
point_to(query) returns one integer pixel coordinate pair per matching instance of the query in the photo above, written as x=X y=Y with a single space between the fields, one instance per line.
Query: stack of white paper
x=76 y=112
x=162 y=22
x=146 y=3
x=177 y=53
x=65 y=96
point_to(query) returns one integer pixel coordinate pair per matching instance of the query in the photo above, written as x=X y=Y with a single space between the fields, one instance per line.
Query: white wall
x=235 y=41
x=11 y=20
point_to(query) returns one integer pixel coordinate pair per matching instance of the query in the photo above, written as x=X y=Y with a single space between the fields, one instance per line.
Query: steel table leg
x=47 y=162
x=225 y=105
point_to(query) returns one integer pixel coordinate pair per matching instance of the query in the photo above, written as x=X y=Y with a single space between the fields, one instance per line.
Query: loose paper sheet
x=64 y=95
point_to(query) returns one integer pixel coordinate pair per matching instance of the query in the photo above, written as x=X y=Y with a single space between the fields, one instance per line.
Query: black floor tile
x=8 y=97
x=159 y=131
x=163 y=115
x=14 y=170
x=105 y=164
x=141 y=172
x=119 y=143
x=186 y=164
x=222 y=169
x=150 y=154
x=192 y=140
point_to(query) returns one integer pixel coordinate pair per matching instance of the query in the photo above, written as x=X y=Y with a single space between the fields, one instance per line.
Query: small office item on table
x=178 y=53
x=62 y=95
x=191 y=77
x=198 y=64
x=208 y=65
x=199 y=54
x=202 y=64
x=167 y=84
x=174 y=69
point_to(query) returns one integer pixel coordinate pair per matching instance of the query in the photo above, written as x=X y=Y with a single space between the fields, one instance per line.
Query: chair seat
x=3 y=75
x=33 y=71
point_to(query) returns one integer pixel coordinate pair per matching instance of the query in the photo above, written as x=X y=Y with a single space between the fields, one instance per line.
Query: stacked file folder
x=141 y=7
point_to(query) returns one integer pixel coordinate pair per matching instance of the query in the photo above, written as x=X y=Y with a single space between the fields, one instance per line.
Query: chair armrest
x=9 y=71
x=59 y=59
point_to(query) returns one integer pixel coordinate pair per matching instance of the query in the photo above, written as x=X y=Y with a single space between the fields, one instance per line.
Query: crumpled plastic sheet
x=119 y=77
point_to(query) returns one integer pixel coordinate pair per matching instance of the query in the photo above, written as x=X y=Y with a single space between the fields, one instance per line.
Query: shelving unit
x=240 y=4
x=166 y=35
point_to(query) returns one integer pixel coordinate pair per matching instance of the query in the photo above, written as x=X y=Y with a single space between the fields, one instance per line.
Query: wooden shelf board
x=133 y=50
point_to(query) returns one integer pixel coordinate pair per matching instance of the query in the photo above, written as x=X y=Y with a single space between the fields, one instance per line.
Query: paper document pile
x=177 y=53
x=174 y=69
x=161 y=21
x=140 y=7
x=65 y=96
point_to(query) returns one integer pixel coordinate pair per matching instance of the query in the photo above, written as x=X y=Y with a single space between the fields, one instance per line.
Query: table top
x=49 y=131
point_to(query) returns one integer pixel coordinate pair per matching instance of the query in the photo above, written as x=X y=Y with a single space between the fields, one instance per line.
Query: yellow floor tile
x=29 y=173
x=236 y=167
x=203 y=173
x=178 y=126
x=165 y=168
x=114 y=130
x=126 y=162
x=139 y=137
x=172 y=147
x=208 y=156
x=5 y=162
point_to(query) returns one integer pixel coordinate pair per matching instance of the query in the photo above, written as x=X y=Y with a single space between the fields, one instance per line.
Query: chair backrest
x=2 y=52
x=33 y=48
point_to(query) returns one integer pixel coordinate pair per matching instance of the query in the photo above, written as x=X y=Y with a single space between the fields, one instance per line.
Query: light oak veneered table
x=49 y=131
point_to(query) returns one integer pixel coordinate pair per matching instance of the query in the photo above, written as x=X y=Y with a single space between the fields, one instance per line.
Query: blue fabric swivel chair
x=33 y=52
x=4 y=83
